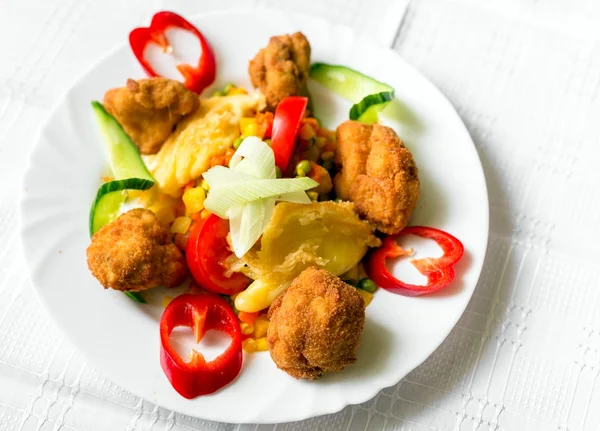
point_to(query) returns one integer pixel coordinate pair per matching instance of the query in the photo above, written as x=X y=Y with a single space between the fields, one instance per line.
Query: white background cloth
x=525 y=77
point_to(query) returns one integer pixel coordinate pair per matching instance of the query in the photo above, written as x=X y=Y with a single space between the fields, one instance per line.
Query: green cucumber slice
x=109 y=199
x=348 y=83
x=368 y=109
x=369 y=96
x=137 y=297
x=125 y=160
x=129 y=169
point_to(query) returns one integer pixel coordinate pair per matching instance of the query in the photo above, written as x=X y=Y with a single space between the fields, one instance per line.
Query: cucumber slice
x=369 y=96
x=109 y=199
x=137 y=297
x=368 y=109
x=124 y=155
x=348 y=83
x=129 y=169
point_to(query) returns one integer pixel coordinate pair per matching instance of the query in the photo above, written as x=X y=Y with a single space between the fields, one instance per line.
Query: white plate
x=120 y=337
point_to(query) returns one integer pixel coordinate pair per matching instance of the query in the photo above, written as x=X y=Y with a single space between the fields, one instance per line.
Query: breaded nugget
x=149 y=109
x=316 y=325
x=281 y=68
x=378 y=174
x=135 y=253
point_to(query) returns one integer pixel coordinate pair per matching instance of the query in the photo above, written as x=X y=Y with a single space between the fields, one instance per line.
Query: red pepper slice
x=439 y=271
x=205 y=252
x=198 y=77
x=201 y=313
x=287 y=119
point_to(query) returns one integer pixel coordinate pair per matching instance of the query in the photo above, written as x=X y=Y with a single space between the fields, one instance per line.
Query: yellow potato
x=327 y=235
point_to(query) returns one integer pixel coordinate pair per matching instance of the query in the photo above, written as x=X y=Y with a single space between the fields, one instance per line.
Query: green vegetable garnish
x=369 y=96
x=367 y=285
x=137 y=297
x=303 y=168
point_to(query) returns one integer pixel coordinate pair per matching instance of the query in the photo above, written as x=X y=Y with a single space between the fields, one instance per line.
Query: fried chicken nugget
x=378 y=174
x=135 y=253
x=149 y=109
x=281 y=68
x=316 y=325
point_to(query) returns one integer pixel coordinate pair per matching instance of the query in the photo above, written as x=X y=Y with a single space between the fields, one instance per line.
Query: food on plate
x=205 y=251
x=317 y=173
x=281 y=68
x=201 y=139
x=149 y=109
x=271 y=222
x=378 y=174
x=438 y=270
x=127 y=167
x=316 y=325
x=327 y=235
x=196 y=77
x=370 y=97
x=135 y=253
x=199 y=376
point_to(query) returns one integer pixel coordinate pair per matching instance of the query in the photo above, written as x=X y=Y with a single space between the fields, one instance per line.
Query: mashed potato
x=207 y=133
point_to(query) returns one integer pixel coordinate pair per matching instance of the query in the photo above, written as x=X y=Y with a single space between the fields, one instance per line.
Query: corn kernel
x=166 y=301
x=260 y=326
x=246 y=328
x=181 y=225
x=164 y=214
x=314 y=196
x=148 y=197
x=367 y=297
x=320 y=141
x=249 y=127
x=327 y=155
x=134 y=194
x=237 y=90
x=204 y=185
x=205 y=213
x=307 y=132
x=249 y=345
x=194 y=200
x=261 y=344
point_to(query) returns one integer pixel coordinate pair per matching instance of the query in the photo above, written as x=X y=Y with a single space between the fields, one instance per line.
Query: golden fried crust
x=378 y=174
x=281 y=68
x=149 y=109
x=316 y=325
x=135 y=253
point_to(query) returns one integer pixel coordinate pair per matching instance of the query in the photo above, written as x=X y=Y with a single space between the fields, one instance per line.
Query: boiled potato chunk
x=327 y=235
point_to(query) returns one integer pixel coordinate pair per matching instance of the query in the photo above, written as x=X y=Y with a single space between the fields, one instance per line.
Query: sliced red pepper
x=200 y=313
x=198 y=77
x=205 y=252
x=439 y=271
x=286 y=122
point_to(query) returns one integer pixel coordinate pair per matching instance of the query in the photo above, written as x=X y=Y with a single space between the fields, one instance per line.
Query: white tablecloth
x=525 y=77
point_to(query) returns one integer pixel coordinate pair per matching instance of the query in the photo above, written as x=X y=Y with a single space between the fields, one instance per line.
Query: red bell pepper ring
x=201 y=313
x=286 y=122
x=439 y=271
x=205 y=252
x=196 y=78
